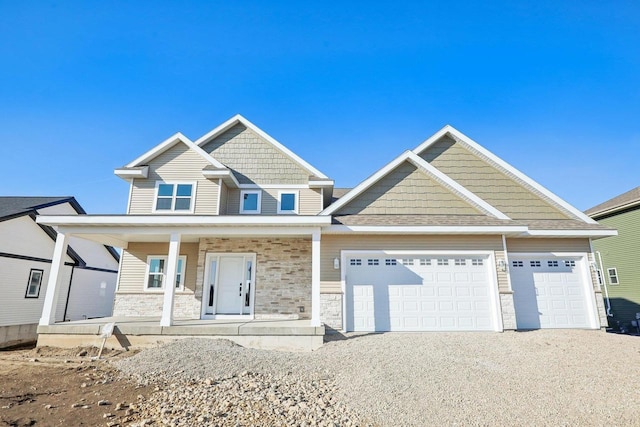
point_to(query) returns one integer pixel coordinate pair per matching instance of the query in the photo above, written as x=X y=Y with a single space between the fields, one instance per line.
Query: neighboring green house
x=619 y=256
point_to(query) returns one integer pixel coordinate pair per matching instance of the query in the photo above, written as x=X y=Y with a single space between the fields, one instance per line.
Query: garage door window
x=443 y=261
x=535 y=263
x=373 y=261
x=569 y=263
x=613 y=276
x=390 y=261
x=407 y=261
x=355 y=261
x=552 y=263
x=425 y=261
x=517 y=264
x=460 y=261
x=477 y=262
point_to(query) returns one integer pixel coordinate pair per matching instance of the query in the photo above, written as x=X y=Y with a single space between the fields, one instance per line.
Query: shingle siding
x=254 y=160
x=178 y=163
x=485 y=180
x=407 y=190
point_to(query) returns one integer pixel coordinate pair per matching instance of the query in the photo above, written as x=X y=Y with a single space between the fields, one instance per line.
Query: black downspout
x=66 y=304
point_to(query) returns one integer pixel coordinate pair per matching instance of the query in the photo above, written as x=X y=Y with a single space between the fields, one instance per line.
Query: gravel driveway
x=548 y=377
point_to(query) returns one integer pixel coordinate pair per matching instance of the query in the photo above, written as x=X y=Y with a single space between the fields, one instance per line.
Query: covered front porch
x=140 y=332
x=248 y=276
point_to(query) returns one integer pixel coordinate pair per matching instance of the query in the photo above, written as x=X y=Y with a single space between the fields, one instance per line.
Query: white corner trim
x=170 y=142
x=448 y=129
x=240 y=119
x=128 y=173
x=426 y=168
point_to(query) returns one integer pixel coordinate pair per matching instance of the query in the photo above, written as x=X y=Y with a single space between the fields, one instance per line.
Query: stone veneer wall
x=283 y=273
x=185 y=306
x=331 y=310
x=508 y=311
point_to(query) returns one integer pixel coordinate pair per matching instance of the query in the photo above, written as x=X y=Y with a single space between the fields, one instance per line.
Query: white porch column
x=170 y=280
x=55 y=277
x=315 y=278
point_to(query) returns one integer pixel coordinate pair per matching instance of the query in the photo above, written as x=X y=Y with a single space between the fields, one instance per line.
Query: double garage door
x=444 y=292
x=404 y=292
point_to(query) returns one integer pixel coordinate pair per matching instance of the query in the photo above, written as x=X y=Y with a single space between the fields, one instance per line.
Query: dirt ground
x=63 y=387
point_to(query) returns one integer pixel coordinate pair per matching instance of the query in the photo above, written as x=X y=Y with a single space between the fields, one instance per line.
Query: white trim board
x=427 y=169
x=459 y=136
x=219 y=130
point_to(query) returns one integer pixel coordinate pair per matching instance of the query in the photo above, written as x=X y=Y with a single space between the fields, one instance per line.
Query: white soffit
x=240 y=119
x=426 y=168
x=456 y=134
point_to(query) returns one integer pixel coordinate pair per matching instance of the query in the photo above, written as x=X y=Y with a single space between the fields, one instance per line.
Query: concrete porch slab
x=139 y=332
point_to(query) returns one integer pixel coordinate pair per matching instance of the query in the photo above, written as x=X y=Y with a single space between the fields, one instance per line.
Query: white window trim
x=615 y=273
x=194 y=186
x=183 y=258
x=242 y=193
x=296 y=203
x=37 y=294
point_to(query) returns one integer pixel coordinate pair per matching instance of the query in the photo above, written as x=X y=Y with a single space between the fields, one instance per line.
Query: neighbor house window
x=174 y=197
x=35 y=280
x=157 y=269
x=250 y=201
x=288 y=202
x=613 y=276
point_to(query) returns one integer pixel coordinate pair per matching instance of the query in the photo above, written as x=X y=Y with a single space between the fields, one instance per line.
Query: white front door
x=550 y=291
x=228 y=289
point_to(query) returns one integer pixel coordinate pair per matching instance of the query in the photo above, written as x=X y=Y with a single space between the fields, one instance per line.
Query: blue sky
x=551 y=87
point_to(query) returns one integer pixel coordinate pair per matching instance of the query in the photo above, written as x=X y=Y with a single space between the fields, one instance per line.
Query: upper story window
x=175 y=197
x=288 y=202
x=157 y=269
x=250 y=201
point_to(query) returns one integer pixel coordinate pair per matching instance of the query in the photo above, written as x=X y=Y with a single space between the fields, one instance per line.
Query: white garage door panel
x=407 y=293
x=549 y=292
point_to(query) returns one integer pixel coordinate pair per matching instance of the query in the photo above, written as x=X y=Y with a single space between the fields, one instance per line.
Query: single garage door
x=419 y=293
x=550 y=292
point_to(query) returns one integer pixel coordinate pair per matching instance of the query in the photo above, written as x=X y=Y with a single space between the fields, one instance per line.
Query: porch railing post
x=315 y=278
x=55 y=277
x=170 y=280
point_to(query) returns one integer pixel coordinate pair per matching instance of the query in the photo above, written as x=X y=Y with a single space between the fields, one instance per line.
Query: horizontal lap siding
x=548 y=245
x=134 y=265
x=331 y=245
x=308 y=203
x=178 y=163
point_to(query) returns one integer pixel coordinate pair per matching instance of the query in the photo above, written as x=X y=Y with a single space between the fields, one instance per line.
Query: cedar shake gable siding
x=178 y=163
x=489 y=182
x=406 y=191
x=254 y=160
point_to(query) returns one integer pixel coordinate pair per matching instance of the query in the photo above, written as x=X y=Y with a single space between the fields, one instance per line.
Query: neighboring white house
x=26 y=249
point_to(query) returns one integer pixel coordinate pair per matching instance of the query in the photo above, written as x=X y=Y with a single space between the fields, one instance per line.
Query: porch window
x=174 y=197
x=156 y=272
x=250 y=201
x=288 y=202
x=35 y=281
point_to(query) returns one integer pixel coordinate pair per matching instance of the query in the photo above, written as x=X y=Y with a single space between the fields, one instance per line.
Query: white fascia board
x=425 y=229
x=572 y=233
x=170 y=142
x=227 y=176
x=448 y=129
x=615 y=209
x=135 y=172
x=240 y=119
x=185 y=220
x=321 y=183
x=455 y=186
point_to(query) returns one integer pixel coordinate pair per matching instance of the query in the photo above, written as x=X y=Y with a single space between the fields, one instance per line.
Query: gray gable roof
x=622 y=201
x=11 y=207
